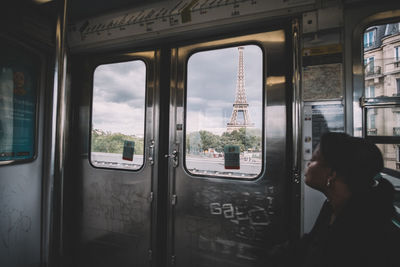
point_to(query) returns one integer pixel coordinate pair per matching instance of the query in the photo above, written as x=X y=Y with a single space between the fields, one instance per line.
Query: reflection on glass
x=224 y=112
x=383 y=121
x=118 y=115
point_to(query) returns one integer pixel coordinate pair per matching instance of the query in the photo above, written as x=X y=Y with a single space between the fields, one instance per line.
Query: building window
x=369 y=64
x=371 y=120
x=397 y=53
x=369 y=38
x=397 y=157
x=370 y=91
x=398 y=86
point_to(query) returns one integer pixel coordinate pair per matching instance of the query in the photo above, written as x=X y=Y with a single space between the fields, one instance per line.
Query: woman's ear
x=332 y=174
x=331 y=178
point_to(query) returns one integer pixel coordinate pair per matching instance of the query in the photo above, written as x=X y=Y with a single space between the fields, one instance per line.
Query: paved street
x=195 y=164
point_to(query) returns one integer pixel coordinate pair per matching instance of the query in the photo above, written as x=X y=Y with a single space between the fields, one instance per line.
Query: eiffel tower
x=240 y=107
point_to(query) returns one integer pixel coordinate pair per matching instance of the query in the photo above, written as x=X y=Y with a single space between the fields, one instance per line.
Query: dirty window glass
x=118 y=115
x=224 y=113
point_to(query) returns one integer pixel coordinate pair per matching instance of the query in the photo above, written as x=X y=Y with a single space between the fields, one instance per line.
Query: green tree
x=208 y=140
x=246 y=139
x=108 y=142
x=193 y=143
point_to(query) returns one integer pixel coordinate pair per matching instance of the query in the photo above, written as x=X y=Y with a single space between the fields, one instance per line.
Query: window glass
x=369 y=38
x=370 y=91
x=370 y=69
x=118 y=115
x=383 y=121
x=19 y=70
x=224 y=112
x=398 y=86
x=382 y=75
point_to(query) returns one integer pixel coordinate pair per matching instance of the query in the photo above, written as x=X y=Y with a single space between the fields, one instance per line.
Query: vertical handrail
x=60 y=107
x=296 y=103
x=296 y=132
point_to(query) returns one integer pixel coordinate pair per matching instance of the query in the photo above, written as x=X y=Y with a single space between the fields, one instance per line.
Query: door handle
x=151 y=152
x=174 y=157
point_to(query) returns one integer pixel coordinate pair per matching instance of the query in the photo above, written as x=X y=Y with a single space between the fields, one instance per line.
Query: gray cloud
x=119 y=97
x=120 y=82
x=212 y=78
x=119 y=91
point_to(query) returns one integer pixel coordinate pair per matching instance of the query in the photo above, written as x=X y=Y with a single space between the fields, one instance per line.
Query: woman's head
x=353 y=160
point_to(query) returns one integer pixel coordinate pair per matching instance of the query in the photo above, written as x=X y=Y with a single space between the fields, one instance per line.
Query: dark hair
x=358 y=161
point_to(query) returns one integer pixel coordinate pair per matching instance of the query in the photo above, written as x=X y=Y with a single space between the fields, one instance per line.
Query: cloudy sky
x=212 y=78
x=119 y=97
x=119 y=91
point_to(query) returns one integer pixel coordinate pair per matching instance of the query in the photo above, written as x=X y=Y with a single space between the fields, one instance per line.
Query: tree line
x=246 y=139
x=196 y=142
x=104 y=141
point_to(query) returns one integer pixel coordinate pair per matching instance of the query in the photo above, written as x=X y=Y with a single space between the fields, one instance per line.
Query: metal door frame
x=272 y=97
x=81 y=71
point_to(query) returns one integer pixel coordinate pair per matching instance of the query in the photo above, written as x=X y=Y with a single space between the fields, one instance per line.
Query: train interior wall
x=62 y=206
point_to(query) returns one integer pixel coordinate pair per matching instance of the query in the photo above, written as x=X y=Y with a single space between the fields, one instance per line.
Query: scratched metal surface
x=230 y=222
x=20 y=200
x=114 y=219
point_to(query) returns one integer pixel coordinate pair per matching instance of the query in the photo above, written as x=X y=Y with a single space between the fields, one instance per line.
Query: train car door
x=228 y=150
x=108 y=200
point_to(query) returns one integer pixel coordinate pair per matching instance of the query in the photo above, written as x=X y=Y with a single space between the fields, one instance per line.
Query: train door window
x=118 y=115
x=224 y=110
x=18 y=102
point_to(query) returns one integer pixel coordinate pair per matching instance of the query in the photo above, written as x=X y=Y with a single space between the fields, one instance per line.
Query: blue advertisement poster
x=18 y=97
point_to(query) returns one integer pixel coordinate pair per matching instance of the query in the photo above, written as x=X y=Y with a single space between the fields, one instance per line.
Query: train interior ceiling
x=177 y=132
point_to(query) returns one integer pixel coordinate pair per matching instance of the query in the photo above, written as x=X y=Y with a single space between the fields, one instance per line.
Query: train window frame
x=263 y=103
x=371 y=103
x=38 y=59
x=92 y=75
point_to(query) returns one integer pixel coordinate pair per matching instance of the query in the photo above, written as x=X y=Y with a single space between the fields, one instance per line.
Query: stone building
x=382 y=79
